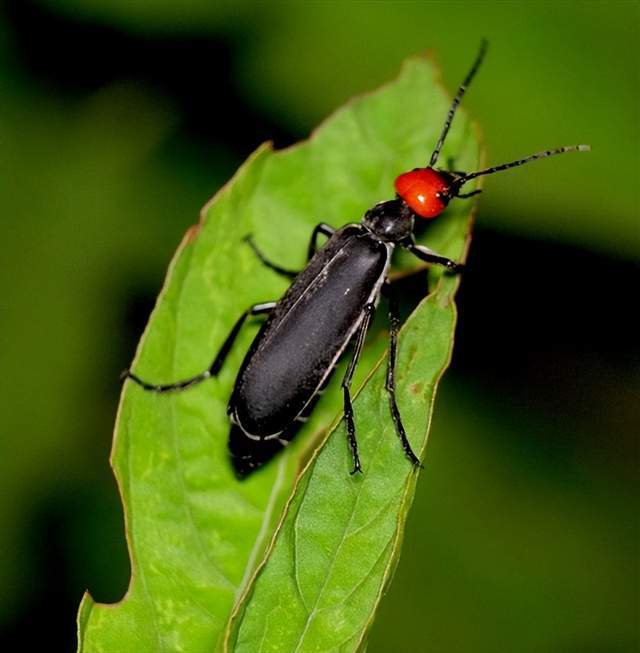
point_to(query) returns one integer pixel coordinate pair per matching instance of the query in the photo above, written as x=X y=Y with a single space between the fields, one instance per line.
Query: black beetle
x=328 y=306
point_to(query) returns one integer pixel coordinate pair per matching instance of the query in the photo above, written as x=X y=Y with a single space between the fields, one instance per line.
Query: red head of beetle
x=424 y=190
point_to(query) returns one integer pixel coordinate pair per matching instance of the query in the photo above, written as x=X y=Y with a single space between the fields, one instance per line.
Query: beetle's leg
x=451 y=167
x=466 y=196
x=346 y=383
x=429 y=256
x=322 y=228
x=394 y=324
x=265 y=261
x=257 y=309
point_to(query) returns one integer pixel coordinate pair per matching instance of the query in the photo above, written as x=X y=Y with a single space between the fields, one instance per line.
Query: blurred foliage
x=525 y=528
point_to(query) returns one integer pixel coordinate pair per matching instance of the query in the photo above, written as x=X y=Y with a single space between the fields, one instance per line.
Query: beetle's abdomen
x=306 y=332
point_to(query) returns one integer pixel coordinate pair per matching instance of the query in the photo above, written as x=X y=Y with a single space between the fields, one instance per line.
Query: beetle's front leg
x=214 y=368
x=429 y=256
x=466 y=196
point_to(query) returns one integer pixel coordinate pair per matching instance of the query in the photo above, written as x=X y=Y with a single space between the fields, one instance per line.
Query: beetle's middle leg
x=216 y=365
x=265 y=261
x=394 y=327
x=346 y=384
x=322 y=228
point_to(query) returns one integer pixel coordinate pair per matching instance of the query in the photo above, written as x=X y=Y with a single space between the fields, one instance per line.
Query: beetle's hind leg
x=394 y=327
x=346 y=384
x=218 y=361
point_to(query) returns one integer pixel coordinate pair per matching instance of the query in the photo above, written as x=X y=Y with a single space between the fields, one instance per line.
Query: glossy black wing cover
x=301 y=340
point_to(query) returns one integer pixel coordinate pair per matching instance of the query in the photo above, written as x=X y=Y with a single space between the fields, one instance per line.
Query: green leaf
x=196 y=535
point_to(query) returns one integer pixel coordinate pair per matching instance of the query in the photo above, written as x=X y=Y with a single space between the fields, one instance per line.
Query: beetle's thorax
x=391 y=221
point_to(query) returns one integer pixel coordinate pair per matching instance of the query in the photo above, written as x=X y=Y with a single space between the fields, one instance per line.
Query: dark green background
x=120 y=118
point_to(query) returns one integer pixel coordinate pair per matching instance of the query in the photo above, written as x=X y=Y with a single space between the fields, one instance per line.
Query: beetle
x=329 y=306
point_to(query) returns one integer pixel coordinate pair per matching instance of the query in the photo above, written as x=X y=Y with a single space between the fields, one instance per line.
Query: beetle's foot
x=356 y=468
x=453 y=267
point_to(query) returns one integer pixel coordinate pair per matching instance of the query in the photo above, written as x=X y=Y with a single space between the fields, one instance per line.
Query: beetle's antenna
x=519 y=162
x=456 y=101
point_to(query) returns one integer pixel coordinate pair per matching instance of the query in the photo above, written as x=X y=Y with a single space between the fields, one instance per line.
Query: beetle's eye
x=424 y=190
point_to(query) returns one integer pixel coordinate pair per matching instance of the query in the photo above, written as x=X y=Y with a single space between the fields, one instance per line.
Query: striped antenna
x=456 y=101
x=519 y=162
